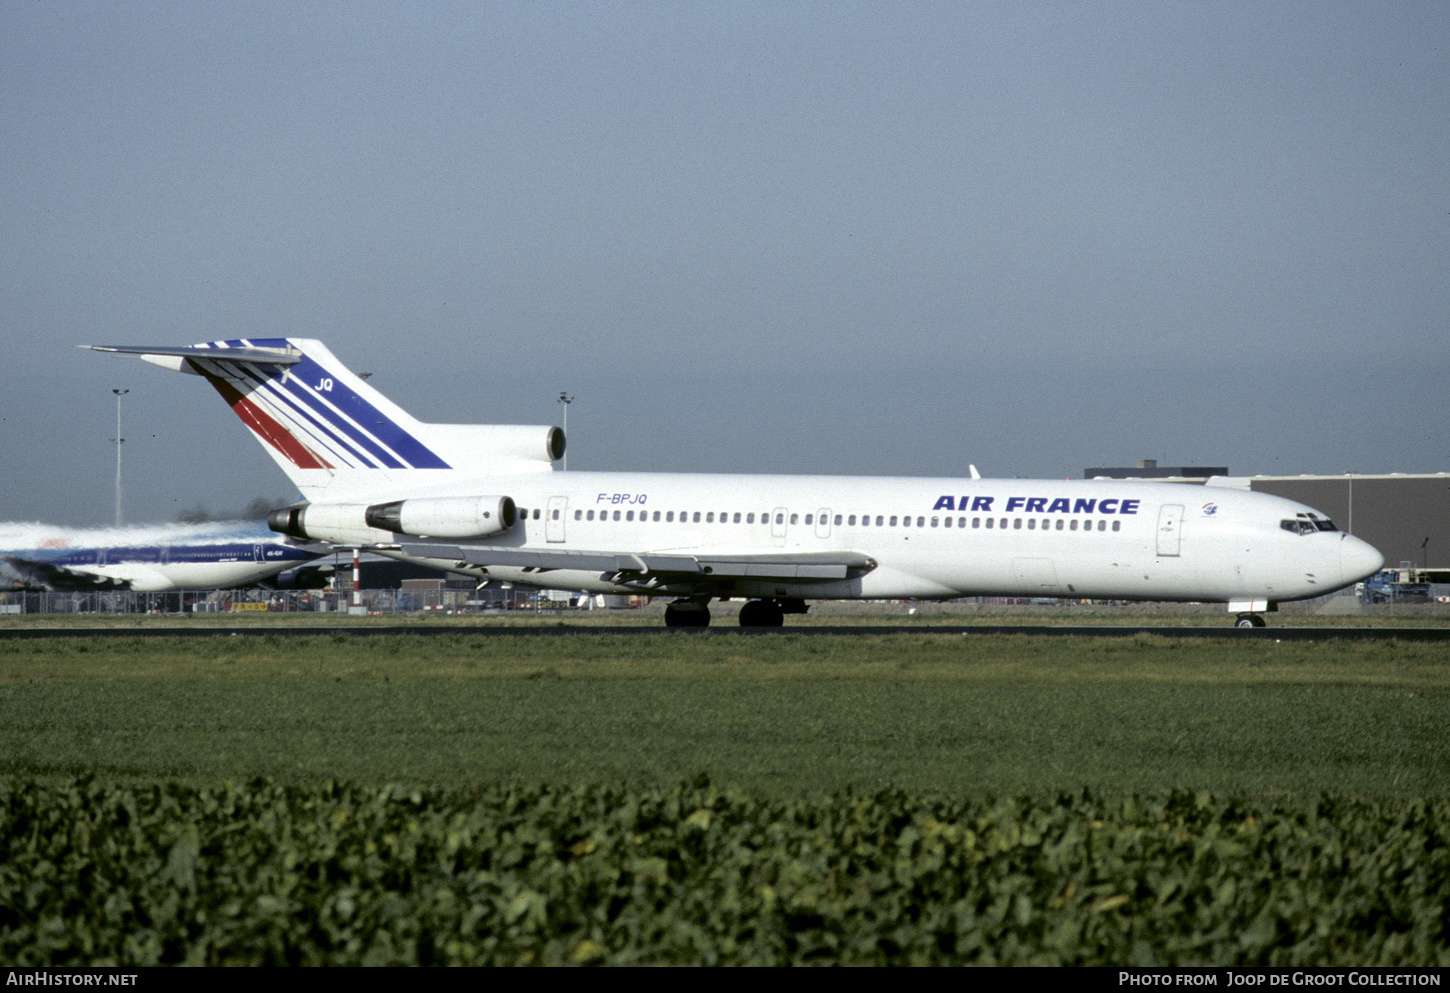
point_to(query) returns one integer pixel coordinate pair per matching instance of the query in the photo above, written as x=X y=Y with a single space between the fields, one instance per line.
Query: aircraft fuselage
x=926 y=538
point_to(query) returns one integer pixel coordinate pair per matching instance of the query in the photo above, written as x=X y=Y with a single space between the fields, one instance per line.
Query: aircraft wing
x=663 y=567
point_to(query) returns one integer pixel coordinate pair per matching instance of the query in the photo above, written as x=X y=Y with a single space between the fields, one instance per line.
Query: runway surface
x=1416 y=634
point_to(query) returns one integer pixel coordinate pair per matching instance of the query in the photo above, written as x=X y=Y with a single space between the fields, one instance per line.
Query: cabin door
x=554 y=518
x=1170 y=526
x=823 y=523
x=777 y=526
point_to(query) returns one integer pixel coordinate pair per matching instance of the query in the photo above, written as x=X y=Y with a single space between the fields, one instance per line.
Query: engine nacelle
x=422 y=517
x=338 y=523
x=445 y=517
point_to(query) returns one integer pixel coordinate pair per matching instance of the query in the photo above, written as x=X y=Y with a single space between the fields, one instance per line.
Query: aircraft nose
x=1358 y=559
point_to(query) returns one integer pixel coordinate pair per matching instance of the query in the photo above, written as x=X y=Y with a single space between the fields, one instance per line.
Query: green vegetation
x=266 y=874
x=865 y=799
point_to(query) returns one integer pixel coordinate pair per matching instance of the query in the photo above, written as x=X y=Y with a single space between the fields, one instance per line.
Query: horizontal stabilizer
x=273 y=356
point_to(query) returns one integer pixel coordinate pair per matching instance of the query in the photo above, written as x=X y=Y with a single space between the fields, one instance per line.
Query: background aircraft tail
x=334 y=435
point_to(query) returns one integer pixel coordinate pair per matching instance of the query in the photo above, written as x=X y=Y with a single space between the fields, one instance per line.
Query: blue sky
x=782 y=237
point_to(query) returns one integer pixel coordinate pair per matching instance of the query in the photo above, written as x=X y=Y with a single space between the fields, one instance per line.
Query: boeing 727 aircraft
x=152 y=559
x=483 y=500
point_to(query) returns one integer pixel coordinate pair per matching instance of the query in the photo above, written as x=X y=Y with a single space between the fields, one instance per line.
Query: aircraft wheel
x=684 y=614
x=1250 y=621
x=761 y=614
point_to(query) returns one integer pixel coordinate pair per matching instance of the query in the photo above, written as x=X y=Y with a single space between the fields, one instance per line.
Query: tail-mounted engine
x=423 y=517
x=445 y=517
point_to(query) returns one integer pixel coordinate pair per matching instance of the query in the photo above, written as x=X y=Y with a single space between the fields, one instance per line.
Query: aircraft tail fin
x=334 y=435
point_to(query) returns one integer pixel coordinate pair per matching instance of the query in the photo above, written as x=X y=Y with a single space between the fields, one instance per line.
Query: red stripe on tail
x=265 y=427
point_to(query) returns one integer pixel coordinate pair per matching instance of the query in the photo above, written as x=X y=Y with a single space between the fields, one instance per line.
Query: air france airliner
x=485 y=501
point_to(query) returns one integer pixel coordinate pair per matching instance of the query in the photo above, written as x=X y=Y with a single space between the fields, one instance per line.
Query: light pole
x=118 y=440
x=565 y=399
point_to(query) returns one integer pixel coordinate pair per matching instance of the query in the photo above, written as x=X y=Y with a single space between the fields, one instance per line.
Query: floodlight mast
x=118 y=440
x=565 y=399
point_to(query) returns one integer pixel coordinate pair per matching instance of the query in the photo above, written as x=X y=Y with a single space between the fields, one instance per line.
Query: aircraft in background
x=483 y=500
x=154 y=559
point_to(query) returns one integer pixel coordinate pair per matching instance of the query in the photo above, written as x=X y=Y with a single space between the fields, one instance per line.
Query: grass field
x=985 y=713
x=675 y=799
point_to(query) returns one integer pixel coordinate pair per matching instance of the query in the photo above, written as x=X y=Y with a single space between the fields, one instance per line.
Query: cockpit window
x=1307 y=524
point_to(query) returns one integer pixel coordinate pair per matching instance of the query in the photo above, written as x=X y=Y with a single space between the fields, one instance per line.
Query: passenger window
x=1032 y=524
x=808 y=518
x=749 y=518
x=989 y=522
x=893 y=520
x=1004 y=524
x=629 y=516
x=616 y=515
x=946 y=522
x=697 y=517
x=961 y=522
x=1102 y=525
x=710 y=518
x=578 y=515
x=1060 y=524
x=933 y=522
x=838 y=520
x=1072 y=526
x=1017 y=523
x=793 y=518
x=865 y=520
x=906 y=522
x=591 y=515
x=780 y=518
x=536 y=513
x=851 y=520
x=737 y=518
x=1117 y=525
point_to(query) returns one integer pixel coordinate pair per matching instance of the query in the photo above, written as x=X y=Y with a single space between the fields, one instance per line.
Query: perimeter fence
x=382 y=601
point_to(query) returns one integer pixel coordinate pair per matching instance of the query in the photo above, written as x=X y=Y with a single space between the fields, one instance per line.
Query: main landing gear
x=688 y=614
x=1251 y=621
x=762 y=614
x=768 y=613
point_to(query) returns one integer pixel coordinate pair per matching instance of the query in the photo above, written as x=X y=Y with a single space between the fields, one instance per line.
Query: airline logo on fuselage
x=1038 y=505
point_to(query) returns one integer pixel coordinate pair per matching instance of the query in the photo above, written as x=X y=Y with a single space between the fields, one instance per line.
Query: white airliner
x=483 y=500
x=153 y=558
